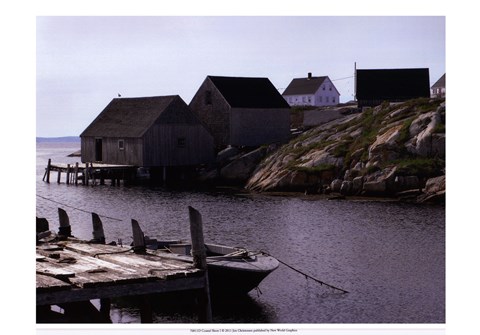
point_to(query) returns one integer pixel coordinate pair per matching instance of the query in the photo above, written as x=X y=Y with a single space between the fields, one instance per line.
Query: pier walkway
x=72 y=272
x=90 y=172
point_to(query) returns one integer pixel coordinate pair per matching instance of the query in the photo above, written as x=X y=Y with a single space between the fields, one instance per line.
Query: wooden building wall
x=254 y=127
x=214 y=112
x=131 y=154
x=178 y=145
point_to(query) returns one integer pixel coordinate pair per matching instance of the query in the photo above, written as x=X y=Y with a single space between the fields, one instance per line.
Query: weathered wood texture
x=254 y=127
x=148 y=132
x=214 y=111
x=240 y=126
x=72 y=270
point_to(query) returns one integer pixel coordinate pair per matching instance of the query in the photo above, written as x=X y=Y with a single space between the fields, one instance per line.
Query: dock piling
x=98 y=233
x=199 y=254
x=47 y=171
x=65 y=229
x=138 y=238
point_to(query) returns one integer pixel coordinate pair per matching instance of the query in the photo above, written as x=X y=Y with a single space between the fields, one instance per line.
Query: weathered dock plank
x=92 y=271
x=70 y=272
x=51 y=284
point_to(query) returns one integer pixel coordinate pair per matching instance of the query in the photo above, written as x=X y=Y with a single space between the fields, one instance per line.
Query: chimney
x=309 y=76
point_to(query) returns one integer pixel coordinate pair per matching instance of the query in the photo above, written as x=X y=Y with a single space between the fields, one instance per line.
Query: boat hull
x=231 y=271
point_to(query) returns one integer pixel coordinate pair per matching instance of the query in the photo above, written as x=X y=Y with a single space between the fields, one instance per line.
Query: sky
x=83 y=62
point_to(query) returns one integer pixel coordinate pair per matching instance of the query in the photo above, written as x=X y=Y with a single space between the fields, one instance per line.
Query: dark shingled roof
x=240 y=92
x=392 y=84
x=132 y=117
x=440 y=82
x=304 y=85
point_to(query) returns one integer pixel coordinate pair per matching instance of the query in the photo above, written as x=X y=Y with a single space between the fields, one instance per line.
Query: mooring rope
x=306 y=275
x=112 y=252
x=78 y=209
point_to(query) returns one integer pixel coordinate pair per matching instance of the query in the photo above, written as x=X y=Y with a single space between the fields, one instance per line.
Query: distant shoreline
x=71 y=139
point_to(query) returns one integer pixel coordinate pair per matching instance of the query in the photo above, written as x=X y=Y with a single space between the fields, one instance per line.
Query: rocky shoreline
x=394 y=151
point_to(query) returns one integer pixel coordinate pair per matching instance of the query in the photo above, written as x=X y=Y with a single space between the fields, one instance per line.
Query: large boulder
x=434 y=192
x=385 y=147
x=241 y=168
x=425 y=141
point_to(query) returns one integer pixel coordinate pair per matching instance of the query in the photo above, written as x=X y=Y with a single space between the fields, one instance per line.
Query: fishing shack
x=374 y=86
x=158 y=132
x=242 y=111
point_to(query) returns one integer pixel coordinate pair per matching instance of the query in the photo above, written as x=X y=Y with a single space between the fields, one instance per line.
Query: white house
x=438 y=90
x=311 y=91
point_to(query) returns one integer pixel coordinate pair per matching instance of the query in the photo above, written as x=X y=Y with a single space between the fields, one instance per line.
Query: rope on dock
x=306 y=275
x=78 y=209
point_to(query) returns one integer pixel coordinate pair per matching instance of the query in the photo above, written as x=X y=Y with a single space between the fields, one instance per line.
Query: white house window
x=323 y=87
x=326 y=99
x=333 y=99
x=309 y=100
x=121 y=144
x=330 y=88
x=304 y=99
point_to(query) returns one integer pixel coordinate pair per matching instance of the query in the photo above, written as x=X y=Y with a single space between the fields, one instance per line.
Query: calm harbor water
x=389 y=256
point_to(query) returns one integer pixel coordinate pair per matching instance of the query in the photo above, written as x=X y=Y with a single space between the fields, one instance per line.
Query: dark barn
x=393 y=85
x=242 y=111
x=147 y=132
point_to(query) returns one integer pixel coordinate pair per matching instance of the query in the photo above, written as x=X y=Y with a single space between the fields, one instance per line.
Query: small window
x=326 y=99
x=330 y=88
x=208 y=97
x=323 y=87
x=121 y=144
x=333 y=99
x=181 y=142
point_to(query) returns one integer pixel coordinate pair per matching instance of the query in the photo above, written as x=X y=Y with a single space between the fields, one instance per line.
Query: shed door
x=98 y=149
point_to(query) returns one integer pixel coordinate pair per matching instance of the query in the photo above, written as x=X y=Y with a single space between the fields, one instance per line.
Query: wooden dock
x=90 y=173
x=71 y=272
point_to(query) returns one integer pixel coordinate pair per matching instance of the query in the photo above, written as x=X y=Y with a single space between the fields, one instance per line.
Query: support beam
x=199 y=254
x=65 y=229
x=98 y=233
x=138 y=238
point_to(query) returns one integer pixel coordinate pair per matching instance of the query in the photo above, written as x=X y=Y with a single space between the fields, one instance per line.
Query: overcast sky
x=84 y=62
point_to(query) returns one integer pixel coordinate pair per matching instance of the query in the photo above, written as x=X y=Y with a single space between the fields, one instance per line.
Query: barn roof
x=242 y=92
x=392 y=84
x=304 y=85
x=132 y=117
x=440 y=82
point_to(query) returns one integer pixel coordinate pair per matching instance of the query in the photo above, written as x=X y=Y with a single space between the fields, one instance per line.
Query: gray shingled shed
x=147 y=132
x=242 y=111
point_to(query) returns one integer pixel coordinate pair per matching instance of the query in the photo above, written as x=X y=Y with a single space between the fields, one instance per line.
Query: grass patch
x=422 y=167
x=313 y=170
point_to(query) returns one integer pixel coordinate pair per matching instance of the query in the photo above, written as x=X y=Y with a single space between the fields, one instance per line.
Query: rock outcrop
x=390 y=150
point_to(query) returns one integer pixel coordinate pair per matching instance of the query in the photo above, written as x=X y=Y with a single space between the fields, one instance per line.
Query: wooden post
x=85 y=174
x=42 y=225
x=146 y=310
x=76 y=173
x=105 y=305
x=65 y=229
x=59 y=175
x=92 y=174
x=47 y=171
x=68 y=174
x=138 y=238
x=199 y=254
x=98 y=233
